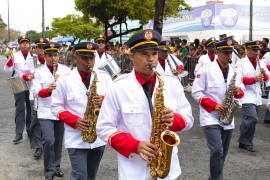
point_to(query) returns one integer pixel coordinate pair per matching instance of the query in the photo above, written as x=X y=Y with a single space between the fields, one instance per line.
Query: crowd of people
x=71 y=95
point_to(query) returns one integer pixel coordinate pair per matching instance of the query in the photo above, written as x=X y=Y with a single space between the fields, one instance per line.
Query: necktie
x=24 y=55
x=162 y=64
x=87 y=80
x=147 y=91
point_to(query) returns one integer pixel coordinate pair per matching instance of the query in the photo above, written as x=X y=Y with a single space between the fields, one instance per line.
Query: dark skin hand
x=97 y=101
x=82 y=124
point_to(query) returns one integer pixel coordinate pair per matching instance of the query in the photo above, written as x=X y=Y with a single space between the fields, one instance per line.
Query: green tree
x=2 y=24
x=33 y=35
x=75 y=26
x=167 y=8
x=116 y=13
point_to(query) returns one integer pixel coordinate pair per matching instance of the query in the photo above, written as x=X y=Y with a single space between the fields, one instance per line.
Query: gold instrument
x=91 y=113
x=174 y=71
x=230 y=102
x=164 y=139
x=262 y=83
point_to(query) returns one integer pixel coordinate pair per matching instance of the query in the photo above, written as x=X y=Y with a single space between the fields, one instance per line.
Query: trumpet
x=262 y=82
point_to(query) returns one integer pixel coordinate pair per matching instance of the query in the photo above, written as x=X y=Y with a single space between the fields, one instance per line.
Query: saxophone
x=91 y=113
x=230 y=102
x=164 y=139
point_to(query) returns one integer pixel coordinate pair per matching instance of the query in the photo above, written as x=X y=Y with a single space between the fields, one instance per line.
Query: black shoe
x=247 y=147
x=17 y=139
x=59 y=173
x=266 y=122
x=38 y=153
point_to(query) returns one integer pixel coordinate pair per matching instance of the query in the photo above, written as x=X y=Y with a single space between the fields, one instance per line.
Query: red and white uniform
x=209 y=90
x=253 y=91
x=43 y=78
x=266 y=60
x=203 y=60
x=101 y=60
x=69 y=102
x=125 y=120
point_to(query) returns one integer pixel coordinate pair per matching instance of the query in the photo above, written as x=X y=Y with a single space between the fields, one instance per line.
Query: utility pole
x=8 y=22
x=250 y=19
x=43 y=21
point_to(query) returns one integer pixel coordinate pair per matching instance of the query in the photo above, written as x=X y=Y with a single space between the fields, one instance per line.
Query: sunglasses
x=100 y=42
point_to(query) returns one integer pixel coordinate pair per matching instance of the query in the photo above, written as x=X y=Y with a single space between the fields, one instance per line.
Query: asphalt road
x=17 y=162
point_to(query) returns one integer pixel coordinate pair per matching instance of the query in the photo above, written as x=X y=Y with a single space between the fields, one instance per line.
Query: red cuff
x=25 y=77
x=248 y=80
x=240 y=94
x=123 y=143
x=268 y=66
x=265 y=77
x=10 y=63
x=44 y=93
x=68 y=118
x=208 y=104
x=181 y=67
x=179 y=123
x=102 y=97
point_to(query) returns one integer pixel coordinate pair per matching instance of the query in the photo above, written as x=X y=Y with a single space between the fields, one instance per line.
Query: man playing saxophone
x=208 y=90
x=52 y=129
x=254 y=72
x=125 y=117
x=78 y=95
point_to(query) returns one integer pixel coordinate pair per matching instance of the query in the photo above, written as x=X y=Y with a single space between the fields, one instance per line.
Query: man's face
x=84 y=63
x=101 y=44
x=24 y=46
x=143 y=59
x=252 y=53
x=51 y=57
x=40 y=50
x=211 y=49
x=163 y=54
x=224 y=56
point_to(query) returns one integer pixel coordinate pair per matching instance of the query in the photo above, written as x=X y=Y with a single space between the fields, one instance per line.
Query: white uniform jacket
x=104 y=58
x=18 y=64
x=266 y=58
x=28 y=68
x=43 y=78
x=126 y=108
x=71 y=95
x=253 y=92
x=203 y=60
x=210 y=83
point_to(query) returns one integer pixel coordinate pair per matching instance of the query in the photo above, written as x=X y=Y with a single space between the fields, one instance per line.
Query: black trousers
x=22 y=102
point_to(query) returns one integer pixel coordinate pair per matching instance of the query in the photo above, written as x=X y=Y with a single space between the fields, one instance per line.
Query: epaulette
x=122 y=76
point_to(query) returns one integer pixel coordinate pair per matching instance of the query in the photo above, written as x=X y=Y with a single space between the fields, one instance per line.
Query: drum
x=111 y=67
x=18 y=84
x=184 y=79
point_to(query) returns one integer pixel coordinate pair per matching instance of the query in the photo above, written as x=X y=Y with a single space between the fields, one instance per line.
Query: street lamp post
x=250 y=19
x=8 y=22
x=43 y=23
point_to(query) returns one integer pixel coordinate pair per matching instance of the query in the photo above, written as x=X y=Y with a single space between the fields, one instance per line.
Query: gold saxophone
x=91 y=113
x=230 y=102
x=164 y=139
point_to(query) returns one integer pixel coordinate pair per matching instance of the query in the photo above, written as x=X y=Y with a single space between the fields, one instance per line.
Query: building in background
x=216 y=18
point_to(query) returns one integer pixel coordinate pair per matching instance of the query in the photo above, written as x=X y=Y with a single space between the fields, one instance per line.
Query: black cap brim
x=86 y=54
x=146 y=46
x=226 y=49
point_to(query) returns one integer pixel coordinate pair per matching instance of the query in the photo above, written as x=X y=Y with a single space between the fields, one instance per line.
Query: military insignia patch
x=198 y=75
x=89 y=46
x=229 y=42
x=23 y=37
x=167 y=43
x=41 y=40
x=52 y=45
x=148 y=35
x=258 y=43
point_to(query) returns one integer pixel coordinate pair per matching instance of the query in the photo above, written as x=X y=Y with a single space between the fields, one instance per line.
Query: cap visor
x=147 y=46
x=86 y=54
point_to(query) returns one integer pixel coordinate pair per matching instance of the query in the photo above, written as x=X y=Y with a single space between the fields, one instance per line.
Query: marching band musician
x=69 y=103
x=169 y=63
x=207 y=58
x=101 y=55
x=125 y=119
x=52 y=129
x=29 y=69
x=209 y=91
x=254 y=73
x=15 y=65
